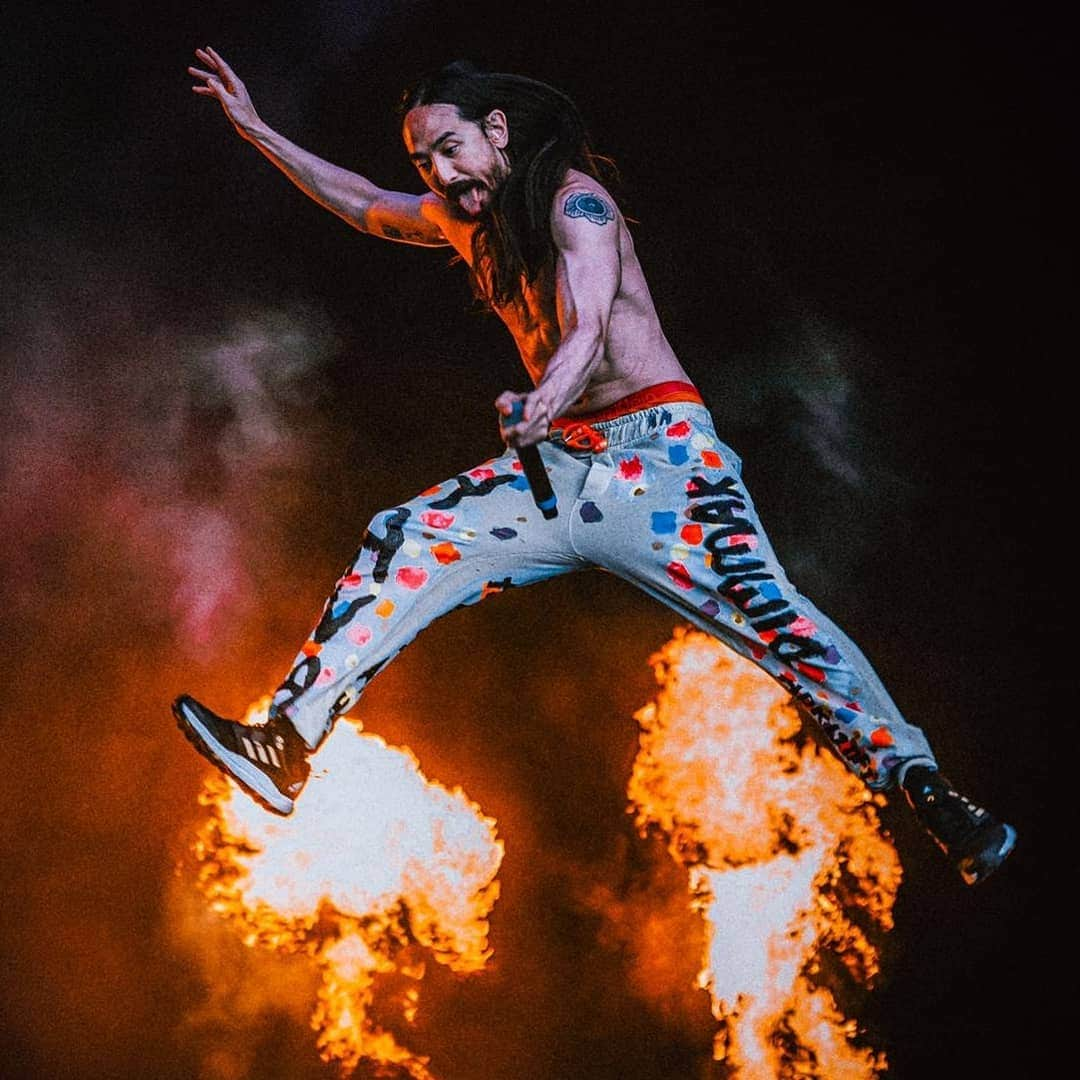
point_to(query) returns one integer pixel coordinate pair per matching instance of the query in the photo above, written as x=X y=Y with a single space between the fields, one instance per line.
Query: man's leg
x=456 y=543
x=668 y=511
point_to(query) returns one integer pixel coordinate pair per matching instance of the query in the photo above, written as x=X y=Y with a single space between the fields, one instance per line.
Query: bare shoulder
x=582 y=201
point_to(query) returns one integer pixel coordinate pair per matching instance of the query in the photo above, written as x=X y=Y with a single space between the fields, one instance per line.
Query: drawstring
x=580 y=436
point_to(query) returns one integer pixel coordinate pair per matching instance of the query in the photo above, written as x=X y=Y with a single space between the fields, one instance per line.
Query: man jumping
x=645 y=487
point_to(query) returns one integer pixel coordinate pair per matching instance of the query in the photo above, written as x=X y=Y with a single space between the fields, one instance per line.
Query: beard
x=474 y=198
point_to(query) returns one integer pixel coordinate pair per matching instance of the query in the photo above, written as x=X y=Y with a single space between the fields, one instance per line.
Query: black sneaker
x=976 y=842
x=269 y=762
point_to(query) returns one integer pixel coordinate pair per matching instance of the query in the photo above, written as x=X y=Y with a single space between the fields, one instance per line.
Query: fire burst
x=376 y=868
x=786 y=861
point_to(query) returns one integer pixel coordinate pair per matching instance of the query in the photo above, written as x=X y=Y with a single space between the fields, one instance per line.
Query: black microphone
x=533 y=467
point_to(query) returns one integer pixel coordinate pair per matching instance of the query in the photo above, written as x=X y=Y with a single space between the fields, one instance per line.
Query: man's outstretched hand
x=535 y=423
x=220 y=82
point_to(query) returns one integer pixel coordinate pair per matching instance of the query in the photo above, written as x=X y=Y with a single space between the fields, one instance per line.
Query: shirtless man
x=650 y=492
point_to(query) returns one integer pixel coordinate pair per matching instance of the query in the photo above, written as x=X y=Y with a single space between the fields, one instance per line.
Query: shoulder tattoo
x=586 y=204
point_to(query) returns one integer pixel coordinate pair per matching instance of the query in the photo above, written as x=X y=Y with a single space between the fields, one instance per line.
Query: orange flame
x=375 y=868
x=786 y=861
x=378 y=868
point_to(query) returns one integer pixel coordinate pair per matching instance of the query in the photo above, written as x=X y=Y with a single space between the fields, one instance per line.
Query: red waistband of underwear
x=658 y=394
x=577 y=431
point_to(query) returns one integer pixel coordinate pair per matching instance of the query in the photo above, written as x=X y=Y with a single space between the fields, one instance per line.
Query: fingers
x=519 y=436
x=505 y=401
x=513 y=435
x=222 y=70
x=212 y=87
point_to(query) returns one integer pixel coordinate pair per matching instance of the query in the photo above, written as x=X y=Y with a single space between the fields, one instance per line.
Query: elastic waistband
x=657 y=394
x=630 y=427
x=578 y=432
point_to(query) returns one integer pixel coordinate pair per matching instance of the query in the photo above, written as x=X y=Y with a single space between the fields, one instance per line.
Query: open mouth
x=470 y=197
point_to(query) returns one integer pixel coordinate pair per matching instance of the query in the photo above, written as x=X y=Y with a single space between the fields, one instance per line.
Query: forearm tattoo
x=588 y=205
x=391 y=232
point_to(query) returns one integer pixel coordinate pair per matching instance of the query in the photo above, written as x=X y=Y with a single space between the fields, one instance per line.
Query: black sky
x=847 y=217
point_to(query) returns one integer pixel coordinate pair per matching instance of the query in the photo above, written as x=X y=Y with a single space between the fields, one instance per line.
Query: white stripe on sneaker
x=249 y=776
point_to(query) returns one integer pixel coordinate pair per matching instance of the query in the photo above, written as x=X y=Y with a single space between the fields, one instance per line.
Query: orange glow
x=379 y=870
x=375 y=870
x=783 y=847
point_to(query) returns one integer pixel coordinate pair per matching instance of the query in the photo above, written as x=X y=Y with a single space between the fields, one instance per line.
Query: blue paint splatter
x=677 y=455
x=520 y=483
x=591 y=512
x=663 y=521
x=504 y=533
x=710 y=607
x=769 y=591
x=832 y=655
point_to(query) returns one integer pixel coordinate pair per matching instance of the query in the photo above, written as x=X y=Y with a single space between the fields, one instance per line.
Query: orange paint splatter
x=445 y=552
x=691 y=534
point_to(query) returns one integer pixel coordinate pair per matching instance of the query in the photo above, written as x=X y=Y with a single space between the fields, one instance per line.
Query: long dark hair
x=546 y=137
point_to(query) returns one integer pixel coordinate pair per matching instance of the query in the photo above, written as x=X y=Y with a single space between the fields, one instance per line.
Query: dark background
x=848 y=220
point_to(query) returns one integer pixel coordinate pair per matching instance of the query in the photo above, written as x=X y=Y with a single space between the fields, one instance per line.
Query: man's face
x=462 y=161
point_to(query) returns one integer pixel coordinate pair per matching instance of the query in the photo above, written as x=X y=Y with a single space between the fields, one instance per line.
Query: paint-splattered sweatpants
x=665 y=508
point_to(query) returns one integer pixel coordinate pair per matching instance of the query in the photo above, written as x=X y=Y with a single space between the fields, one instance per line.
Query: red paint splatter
x=743 y=538
x=803 y=627
x=881 y=737
x=412 y=577
x=691 y=534
x=679 y=574
x=853 y=705
x=516 y=466
x=631 y=468
x=810 y=671
x=711 y=459
x=351 y=581
x=437 y=519
x=766 y=635
x=758 y=652
x=445 y=553
x=359 y=635
x=677 y=431
x=432 y=490
x=481 y=474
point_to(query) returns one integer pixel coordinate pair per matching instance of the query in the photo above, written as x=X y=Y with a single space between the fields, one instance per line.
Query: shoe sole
x=987 y=864
x=250 y=778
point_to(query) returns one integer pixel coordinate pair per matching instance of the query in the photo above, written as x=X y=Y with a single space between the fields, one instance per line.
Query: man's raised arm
x=410 y=219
